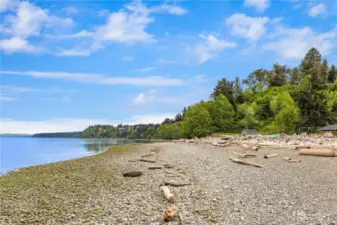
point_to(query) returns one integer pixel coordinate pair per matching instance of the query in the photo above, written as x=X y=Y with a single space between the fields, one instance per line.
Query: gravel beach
x=92 y=190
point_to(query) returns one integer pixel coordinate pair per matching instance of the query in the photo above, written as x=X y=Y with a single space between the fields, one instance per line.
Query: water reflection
x=100 y=145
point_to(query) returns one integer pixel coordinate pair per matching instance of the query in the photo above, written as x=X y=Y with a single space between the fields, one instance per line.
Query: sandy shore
x=92 y=190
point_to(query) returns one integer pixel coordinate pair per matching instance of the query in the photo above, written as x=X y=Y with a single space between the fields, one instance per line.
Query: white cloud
x=146 y=69
x=74 y=52
x=7 y=5
x=251 y=28
x=210 y=48
x=26 y=20
x=30 y=20
x=143 y=98
x=17 y=44
x=72 y=124
x=317 y=10
x=100 y=79
x=260 y=5
x=127 y=58
x=127 y=26
x=294 y=43
x=172 y=9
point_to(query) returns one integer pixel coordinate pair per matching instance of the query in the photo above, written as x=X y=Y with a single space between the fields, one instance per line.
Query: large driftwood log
x=155 y=167
x=147 y=160
x=132 y=174
x=171 y=213
x=303 y=147
x=270 y=156
x=175 y=184
x=322 y=152
x=244 y=155
x=168 y=166
x=167 y=193
x=244 y=162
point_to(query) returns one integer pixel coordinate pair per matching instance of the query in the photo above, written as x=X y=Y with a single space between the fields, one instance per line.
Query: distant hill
x=76 y=134
x=15 y=135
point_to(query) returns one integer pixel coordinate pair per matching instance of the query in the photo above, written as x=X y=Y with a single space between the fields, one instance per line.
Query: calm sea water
x=18 y=152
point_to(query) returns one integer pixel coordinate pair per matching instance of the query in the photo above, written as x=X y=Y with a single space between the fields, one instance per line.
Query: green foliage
x=197 y=121
x=222 y=114
x=99 y=131
x=169 y=131
x=287 y=113
x=278 y=76
x=224 y=87
x=332 y=76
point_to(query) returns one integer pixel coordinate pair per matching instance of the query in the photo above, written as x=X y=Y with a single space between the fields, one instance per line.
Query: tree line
x=280 y=100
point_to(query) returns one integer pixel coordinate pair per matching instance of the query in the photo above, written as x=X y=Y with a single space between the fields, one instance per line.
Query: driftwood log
x=303 y=147
x=155 y=167
x=244 y=155
x=168 y=166
x=175 y=184
x=244 y=162
x=171 y=213
x=167 y=193
x=270 y=156
x=147 y=160
x=294 y=161
x=286 y=158
x=322 y=152
x=132 y=174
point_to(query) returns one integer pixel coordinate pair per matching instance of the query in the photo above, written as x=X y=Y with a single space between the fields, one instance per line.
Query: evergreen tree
x=278 y=76
x=295 y=76
x=224 y=87
x=332 y=74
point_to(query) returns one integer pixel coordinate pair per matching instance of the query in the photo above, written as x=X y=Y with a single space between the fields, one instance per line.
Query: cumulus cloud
x=26 y=20
x=294 y=43
x=143 y=98
x=317 y=10
x=210 y=47
x=127 y=26
x=251 y=28
x=99 y=78
x=260 y=5
x=16 y=44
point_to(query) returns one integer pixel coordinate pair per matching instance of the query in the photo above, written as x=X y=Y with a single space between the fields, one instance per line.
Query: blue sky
x=67 y=65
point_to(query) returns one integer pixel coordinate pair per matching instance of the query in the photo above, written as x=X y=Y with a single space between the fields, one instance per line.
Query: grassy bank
x=54 y=192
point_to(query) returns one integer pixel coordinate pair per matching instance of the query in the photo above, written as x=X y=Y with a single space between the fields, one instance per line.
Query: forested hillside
x=271 y=101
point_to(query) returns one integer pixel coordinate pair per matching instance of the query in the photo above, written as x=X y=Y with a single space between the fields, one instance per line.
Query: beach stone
x=132 y=174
